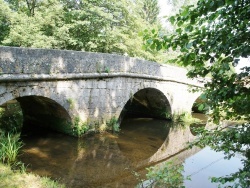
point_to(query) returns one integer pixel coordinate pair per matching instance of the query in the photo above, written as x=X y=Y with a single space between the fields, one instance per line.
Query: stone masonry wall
x=91 y=86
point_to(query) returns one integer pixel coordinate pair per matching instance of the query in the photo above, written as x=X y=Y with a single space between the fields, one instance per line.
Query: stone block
x=101 y=84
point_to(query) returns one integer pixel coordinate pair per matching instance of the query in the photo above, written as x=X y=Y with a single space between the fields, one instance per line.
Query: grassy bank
x=11 y=179
x=10 y=145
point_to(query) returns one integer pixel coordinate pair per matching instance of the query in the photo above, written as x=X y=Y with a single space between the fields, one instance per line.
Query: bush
x=113 y=124
x=11 y=118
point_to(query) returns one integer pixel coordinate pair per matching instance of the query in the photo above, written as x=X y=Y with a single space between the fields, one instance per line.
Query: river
x=111 y=160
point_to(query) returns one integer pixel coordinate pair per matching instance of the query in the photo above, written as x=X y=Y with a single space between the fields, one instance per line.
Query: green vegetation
x=11 y=117
x=113 y=125
x=71 y=103
x=108 y=26
x=211 y=37
x=110 y=125
x=169 y=174
x=79 y=127
x=10 y=127
x=185 y=118
x=10 y=179
x=13 y=172
x=10 y=145
x=102 y=68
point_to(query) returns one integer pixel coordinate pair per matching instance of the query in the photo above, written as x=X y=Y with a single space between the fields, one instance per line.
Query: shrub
x=113 y=124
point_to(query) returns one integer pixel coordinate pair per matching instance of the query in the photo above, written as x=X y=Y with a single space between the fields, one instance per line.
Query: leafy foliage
x=113 y=124
x=211 y=36
x=233 y=141
x=79 y=127
x=11 y=118
x=149 y=10
x=169 y=175
x=108 y=26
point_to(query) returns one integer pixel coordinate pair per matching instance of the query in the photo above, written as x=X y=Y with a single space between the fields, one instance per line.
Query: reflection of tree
x=98 y=161
x=167 y=175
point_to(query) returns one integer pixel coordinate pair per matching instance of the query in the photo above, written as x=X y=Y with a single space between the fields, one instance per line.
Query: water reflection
x=99 y=160
x=140 y=138
x=206 y=164
x=107 y=160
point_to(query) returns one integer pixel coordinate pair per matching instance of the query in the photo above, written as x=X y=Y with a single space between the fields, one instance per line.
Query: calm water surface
x=108 y=160
x=98 y=160
x=206 y=164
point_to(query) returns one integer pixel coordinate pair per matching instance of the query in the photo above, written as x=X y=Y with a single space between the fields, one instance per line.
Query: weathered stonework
x=92 y=86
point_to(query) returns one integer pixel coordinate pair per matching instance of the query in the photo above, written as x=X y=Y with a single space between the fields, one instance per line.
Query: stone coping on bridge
x=26 y=64
x=41 y=77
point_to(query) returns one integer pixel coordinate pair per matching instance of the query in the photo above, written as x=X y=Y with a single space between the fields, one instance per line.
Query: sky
x=164 y=7
x=242 y=63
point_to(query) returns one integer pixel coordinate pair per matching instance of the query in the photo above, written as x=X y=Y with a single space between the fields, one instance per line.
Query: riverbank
x=10 y=179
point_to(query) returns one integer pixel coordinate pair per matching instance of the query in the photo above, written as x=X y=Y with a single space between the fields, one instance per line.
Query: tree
x=108 y=26
x=149 y=10
x=45 y=29
x=212 y=36
x=4 y=19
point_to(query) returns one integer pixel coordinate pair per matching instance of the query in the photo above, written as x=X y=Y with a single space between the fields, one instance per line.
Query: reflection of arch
x=43 y=113
x=147 y=102
x=140 y=138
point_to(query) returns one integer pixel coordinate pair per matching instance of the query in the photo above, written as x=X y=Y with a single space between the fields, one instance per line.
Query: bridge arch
x=147 y=102
x=199 y=101
x=38 y=114
x=191 y=100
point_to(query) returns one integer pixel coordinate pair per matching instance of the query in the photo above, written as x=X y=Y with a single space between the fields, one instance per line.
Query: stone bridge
x=72 y=87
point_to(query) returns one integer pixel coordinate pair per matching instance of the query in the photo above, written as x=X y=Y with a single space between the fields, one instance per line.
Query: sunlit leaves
x=99 y=26
x=209 y=37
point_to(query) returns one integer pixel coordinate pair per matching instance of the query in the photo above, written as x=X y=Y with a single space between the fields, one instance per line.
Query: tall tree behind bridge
x=149 y=10
x=109 y=26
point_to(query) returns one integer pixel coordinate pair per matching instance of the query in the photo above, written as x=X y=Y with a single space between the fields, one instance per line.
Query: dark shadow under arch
x=144 y=125
x=39 y=114
x=148 y=102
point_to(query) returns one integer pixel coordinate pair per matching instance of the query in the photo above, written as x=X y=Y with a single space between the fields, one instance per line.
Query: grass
x=9 y=148
x=13 y=173
x=17 y=179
